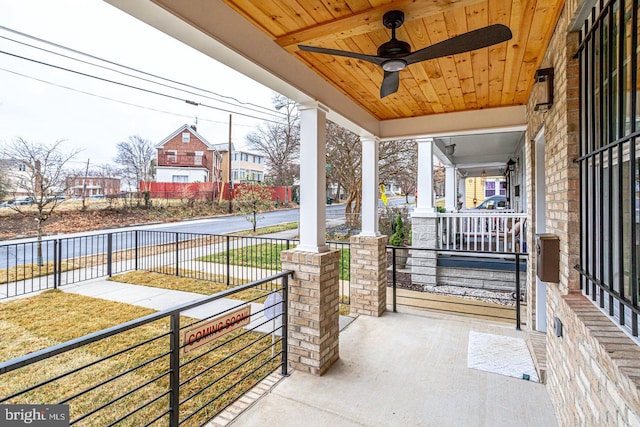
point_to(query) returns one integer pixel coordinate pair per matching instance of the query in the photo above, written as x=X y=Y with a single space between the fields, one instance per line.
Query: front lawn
x=267 y=256
x=53 y=317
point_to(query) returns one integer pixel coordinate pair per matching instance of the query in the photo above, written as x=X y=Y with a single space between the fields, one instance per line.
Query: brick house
x=185 y=156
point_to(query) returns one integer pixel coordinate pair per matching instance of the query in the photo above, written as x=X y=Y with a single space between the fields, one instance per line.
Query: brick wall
x=313 y=310
x=594 y=368
x=368 y=275
x=194 y=144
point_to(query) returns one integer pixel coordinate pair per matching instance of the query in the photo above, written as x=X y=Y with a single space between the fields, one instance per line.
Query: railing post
x=109 y=253
x=136 y=249
x=174 y=366
x=59 y=262
x=177 y=255
x=517 y=291
x=228 y=264
x=393 y=269
x=55 y=264
x=285 y=326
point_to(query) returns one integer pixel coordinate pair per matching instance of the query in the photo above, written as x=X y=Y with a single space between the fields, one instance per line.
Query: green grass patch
x=54 y=317
x=268 y=230
x=267 y=256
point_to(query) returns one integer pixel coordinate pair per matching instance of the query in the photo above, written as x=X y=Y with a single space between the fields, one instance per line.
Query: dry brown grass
x=52 y=317
x=30 y=271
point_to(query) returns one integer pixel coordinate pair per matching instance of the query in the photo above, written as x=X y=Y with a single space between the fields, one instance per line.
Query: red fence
x=205 y=190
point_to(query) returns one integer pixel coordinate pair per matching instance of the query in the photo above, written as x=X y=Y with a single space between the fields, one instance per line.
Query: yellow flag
x=383 y=195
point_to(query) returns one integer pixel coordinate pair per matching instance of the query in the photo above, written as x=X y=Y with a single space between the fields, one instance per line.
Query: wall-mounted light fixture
x=543 y=89
x=450 y=149
x=511 y=165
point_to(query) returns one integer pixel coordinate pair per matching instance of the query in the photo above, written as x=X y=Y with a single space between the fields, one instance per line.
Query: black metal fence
x=486 y=285
x=167 y=368
x=225 y=259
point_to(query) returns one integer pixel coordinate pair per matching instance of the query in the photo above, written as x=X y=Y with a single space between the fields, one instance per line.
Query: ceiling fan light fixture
x=394 y=65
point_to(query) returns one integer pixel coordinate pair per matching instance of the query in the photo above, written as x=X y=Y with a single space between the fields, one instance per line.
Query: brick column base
x=313 y=310
x=368 y=275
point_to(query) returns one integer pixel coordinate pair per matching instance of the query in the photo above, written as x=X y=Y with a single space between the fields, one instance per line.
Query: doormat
x=501 y=355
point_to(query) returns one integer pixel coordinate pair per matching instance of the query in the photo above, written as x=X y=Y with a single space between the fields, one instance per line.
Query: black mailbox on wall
x=548 y=252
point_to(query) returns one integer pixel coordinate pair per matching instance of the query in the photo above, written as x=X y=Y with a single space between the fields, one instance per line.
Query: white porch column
x=313 y=196
x=425 y=205
x=462 y=189
x=451 y=188
x=370 y=186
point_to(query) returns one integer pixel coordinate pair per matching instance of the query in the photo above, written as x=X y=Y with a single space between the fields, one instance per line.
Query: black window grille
x=609 y=160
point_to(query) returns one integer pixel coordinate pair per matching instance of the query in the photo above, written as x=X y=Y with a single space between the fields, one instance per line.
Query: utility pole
x=230 y=174
x=84 y=185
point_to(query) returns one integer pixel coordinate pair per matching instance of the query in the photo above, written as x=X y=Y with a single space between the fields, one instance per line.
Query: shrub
x=398 y=236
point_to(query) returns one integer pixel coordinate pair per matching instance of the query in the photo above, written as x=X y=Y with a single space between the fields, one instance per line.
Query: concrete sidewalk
x=162 y=299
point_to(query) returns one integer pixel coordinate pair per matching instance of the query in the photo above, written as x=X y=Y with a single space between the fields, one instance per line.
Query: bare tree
x=399 y=164
x=398 y=159
x=250 y=200
x=4 y=179
x=279 y=142
x=344 y=154
x=42 y=178
x=136 y=155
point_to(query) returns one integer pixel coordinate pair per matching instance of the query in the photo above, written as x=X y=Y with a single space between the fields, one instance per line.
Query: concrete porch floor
x=405 y=369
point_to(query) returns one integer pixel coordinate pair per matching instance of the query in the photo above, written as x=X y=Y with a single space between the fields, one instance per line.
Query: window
x=489 y=188
x=172 y=156
x=180 y=178
x=186 y=137
x=610 y=162
x=495 y=187
x=197 y=160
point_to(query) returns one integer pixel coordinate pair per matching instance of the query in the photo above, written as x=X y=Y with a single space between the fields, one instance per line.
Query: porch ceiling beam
x=365 y=21
x=503 y=119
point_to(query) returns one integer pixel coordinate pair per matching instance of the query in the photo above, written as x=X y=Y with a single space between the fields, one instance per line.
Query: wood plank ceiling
x=501 y=75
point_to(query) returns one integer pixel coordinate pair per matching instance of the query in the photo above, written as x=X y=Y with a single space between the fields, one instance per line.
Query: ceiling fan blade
x=476 y=39
x=390 y=83
x=369 y=58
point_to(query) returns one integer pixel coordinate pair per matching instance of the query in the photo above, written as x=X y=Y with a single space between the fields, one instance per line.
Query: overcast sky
x=41 y=112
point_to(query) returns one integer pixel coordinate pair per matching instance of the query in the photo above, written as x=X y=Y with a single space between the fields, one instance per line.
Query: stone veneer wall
x=424 y=234
x=594 y=367
x=313 y=310
x=368 y=275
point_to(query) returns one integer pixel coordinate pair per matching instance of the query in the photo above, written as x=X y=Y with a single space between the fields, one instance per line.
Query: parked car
x=493 y=202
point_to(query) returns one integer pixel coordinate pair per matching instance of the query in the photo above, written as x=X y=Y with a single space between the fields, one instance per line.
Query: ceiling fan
x=395 y=55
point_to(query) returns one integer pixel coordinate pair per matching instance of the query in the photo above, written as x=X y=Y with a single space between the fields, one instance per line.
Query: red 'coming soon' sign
x=213 y=329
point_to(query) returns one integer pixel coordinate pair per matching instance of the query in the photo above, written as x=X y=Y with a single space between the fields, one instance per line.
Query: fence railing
x=470 y=283
x=481 y=231
x=163 y=368
x=225 y=259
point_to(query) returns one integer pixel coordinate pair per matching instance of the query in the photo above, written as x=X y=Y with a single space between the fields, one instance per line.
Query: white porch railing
x=482 y=231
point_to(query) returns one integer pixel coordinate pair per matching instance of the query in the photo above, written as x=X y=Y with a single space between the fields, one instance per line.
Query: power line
x=141 y=78
x=153 y=92
x=267 y=110
x=113 y=99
